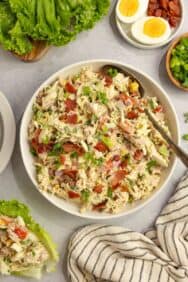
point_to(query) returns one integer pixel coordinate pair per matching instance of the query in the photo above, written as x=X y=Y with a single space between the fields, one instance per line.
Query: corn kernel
x=134 y=87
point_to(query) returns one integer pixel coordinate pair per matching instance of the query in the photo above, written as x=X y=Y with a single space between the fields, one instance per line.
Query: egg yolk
x=154 y=27
x=128 y=8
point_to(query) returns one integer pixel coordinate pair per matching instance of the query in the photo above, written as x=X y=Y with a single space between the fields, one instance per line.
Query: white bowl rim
x=50 y=80
x=154 y=46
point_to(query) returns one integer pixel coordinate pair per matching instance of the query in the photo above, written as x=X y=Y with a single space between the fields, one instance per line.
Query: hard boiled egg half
x=128 y=11
x=151 y=30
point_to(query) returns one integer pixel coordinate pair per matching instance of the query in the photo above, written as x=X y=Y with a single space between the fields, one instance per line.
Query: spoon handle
x=177 y=150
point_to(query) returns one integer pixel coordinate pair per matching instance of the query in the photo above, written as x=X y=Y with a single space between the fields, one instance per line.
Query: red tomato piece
x=62 y=159
x=138 y=155
x=158 y=109
x=101 y=147
x=71 y=118
x=21 y=233
x=70 y=105
x=70 y=88
x=132 y=115
x=71 y=147
x=108 y=80
x=98 y=188
x=100 y=206
x=118 y=177
x=70 y=172
x=73 y=195
x=127 y=99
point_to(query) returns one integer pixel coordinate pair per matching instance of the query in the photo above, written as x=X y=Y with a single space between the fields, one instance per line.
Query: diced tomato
x=71 y=118
x=117 y=178
x=70 y=105
x=127 y=99
x=158 y=109
x=138 y=155
x=73 y=195
x=132 y=115
x=70 y=88
x=111 y=162
x=101 y=147
x=100 y=206
x=108 y=80
x=70 y=172
x=98 y=188
x=62 y=159
x=21 y=233
x=71 y=147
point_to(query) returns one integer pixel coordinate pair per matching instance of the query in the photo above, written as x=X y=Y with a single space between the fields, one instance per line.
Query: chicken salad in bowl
x=92 y=144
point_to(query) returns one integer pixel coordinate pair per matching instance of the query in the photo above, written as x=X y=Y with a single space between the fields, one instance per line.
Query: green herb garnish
x=85 y=195
x=112 y=72
x=102 y=98
x=163 y=150
x=86 y=91
x=107 y=141
x=110 y=192
x=57 y=148
x=150 y=165
x=33 y=152
x=74 y=155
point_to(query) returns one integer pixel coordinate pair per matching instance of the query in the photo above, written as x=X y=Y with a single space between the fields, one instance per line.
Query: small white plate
x=7 y=132
x=125 y=31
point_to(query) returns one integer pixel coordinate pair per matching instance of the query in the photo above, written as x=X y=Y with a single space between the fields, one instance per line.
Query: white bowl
x=125 y=31
x=151 y=87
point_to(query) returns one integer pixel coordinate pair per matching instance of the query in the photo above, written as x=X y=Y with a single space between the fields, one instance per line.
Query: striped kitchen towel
x=111 y=253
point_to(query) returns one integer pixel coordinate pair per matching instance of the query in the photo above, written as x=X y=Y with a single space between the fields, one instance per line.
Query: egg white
x=137 y=32
x=143 y=4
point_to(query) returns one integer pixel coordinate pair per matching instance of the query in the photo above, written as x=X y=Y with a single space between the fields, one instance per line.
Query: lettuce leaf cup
x=26 y=249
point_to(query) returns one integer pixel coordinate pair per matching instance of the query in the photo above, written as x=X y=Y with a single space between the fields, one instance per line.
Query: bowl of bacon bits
x=149 y=24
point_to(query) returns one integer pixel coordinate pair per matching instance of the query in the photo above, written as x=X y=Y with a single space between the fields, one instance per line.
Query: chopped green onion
x=74 y=155
x=112 y=72
x=45 y=140
x=86 y=90
x=110 y=192
x=150 y=165
x=85 y=195
x=107 y=141
x=102 y=98
x=33 y=152
x=163 y=150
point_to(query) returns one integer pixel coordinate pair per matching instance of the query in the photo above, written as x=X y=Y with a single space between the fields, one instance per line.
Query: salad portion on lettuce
x=25 y=248
x=55 y=21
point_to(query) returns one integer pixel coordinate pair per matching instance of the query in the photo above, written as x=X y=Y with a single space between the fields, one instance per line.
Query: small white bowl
x=151 y=87
x=125 y=31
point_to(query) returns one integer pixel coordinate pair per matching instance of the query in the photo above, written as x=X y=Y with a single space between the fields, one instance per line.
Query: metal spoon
x=180 y=153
